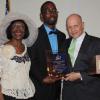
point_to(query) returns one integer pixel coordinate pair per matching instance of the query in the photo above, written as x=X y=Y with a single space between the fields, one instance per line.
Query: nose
x=72 y=29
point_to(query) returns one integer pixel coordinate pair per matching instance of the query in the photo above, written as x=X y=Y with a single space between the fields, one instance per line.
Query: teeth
x=18 y=32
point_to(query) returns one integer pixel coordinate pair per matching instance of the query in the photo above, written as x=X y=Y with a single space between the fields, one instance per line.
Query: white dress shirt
x=79 y=41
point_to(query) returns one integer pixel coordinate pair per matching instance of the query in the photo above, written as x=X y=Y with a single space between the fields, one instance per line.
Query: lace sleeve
x=1 y=63
x=6 y=52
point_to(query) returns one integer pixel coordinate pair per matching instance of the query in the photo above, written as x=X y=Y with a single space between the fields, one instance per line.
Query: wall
x=88 y=9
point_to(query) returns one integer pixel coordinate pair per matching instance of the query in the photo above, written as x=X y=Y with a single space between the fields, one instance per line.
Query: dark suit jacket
x=89 y=87
x=38 y=69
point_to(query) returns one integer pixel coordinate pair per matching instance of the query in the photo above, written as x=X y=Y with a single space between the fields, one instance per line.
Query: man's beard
x=51 y=21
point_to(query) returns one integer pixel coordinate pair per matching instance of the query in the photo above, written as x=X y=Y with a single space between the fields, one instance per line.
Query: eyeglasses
x=48 y=11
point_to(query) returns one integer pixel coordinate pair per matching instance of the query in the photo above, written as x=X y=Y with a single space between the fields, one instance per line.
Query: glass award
x=56 y=63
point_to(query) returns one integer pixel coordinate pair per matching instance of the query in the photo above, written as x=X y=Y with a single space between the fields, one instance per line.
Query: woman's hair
x=9 y=28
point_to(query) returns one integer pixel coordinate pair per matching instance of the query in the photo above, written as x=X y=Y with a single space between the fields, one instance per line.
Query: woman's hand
x=1 y=95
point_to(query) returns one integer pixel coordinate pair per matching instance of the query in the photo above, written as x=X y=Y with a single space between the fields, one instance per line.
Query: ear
x=83 y=25
x=41 y=17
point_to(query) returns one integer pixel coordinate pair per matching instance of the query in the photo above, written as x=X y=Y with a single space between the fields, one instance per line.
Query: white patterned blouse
x=14 y=73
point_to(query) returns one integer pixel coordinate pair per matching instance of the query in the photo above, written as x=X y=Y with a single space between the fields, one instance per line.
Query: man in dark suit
x=47 y=88
x=78 y=83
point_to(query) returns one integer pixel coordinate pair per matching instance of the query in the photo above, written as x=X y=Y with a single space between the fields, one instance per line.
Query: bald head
x=74 y=25
x=77 y=16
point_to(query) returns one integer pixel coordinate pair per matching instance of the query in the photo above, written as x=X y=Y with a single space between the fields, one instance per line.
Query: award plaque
x=95 y=67
x=56 y=63
x=98 y=64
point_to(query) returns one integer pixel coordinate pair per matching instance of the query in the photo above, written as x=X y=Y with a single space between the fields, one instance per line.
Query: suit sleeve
x=37 y=70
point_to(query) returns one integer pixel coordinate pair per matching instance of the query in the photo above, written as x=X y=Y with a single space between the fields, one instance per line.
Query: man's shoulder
x=60 y=33
x=68 y=39
x=41 y=27
x=94 y=38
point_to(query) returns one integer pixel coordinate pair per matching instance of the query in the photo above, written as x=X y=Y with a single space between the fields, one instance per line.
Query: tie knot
x=73 y=43
x=74 y=40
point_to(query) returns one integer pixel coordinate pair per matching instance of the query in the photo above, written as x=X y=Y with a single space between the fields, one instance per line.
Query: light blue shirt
x=52 y=39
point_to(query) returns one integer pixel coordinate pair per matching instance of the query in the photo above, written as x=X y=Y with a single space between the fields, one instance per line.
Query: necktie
x=71 y=50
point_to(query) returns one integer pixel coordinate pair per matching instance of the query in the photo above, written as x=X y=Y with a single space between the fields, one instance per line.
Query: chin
x=52 y=22
x=19 y=38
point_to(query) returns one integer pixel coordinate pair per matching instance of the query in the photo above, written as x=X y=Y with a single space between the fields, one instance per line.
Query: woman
x=14 y=60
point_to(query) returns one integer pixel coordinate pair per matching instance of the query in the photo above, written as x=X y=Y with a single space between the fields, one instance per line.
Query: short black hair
x=8 y=30
x=45 y=3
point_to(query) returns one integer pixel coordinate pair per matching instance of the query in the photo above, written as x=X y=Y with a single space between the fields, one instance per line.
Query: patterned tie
x=71 y=50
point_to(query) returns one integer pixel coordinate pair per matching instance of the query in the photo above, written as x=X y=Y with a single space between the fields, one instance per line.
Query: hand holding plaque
x=56 y=64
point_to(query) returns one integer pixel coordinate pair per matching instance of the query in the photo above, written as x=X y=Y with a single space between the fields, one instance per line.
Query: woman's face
x=18 y=30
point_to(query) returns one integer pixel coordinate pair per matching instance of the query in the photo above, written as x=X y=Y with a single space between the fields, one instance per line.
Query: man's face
x=49 y=14
x=75 y=26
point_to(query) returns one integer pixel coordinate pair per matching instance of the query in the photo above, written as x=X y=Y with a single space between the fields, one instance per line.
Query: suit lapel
x=58 y=40
x=83 y=49
x=44 y=38
x=69 y=64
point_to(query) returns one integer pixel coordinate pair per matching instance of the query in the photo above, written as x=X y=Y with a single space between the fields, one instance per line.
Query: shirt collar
x=48 y=29
x=81 y=37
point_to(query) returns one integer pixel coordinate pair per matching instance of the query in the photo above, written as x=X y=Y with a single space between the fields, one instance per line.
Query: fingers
x=50 y=79
x=72 y=76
